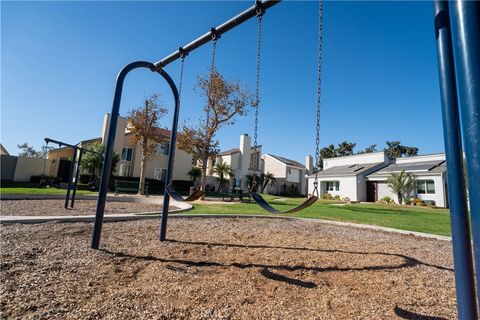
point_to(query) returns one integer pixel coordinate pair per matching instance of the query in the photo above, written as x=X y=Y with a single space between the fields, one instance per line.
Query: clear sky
x=59 y=61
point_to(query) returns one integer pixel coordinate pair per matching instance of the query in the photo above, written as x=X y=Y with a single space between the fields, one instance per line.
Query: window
x=333 y=185
x=425 y=187
x=124 y=170
x=160 y=174
x=289 y=171
x=254 y=156
x=126 y=154
x=162 y=149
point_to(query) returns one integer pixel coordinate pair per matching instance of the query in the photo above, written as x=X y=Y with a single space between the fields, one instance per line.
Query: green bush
x=387 y=200
x=337 y=197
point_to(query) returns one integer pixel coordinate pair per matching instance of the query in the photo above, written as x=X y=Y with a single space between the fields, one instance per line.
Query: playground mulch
x=55 y=207
x=223 y=269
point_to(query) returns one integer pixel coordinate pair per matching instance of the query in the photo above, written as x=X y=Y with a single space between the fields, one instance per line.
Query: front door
x=64 y=169
x=372 y=193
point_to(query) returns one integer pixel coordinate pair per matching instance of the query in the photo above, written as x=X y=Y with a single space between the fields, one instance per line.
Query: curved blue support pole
x=107 y=163
x=460 y=225
x=466 y=45
x=171 y=154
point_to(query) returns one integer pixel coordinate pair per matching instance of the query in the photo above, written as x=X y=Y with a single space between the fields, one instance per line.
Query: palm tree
x=195 y=173
x=222 y=170
x=268 y=178
x=402 y=184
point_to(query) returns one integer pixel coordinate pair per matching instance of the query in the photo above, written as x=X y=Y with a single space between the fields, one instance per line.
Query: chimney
x=309 y=164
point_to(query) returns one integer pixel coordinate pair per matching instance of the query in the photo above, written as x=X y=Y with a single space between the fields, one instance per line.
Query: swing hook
x=259 y=8
x=214 y=33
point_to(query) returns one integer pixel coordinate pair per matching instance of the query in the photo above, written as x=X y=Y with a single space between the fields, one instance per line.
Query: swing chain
x=183 y=55
x=215 y=37
x=319 y=88
x=257 y=84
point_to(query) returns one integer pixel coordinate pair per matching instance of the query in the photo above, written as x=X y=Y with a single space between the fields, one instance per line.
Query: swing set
x=74 y=168
x=457 y=28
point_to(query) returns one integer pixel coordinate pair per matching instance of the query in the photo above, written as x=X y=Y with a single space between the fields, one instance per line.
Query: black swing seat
x=262 y=203
x=177 y=197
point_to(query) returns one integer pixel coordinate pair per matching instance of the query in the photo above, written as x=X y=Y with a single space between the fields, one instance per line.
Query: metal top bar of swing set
x=60 y=143
x=259 y=8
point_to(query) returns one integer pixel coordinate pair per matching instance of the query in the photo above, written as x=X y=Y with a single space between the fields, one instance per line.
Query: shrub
x=337 y=197
x=327 y=196
x=408 y=201
x=346 y=199
x=418 y=202
x=387 y=200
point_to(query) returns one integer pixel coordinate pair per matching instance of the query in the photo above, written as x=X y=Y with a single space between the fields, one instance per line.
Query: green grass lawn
x=420 y=219
x=27 y=190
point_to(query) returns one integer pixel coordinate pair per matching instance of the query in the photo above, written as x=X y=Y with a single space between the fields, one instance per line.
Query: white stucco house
x=244 y=160
x=289 y=175
x=248 y=160
x=363 y=177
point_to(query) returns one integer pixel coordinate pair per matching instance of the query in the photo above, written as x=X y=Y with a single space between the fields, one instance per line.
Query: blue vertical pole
x=77 y=172
x=107 y=157
x=462 y=249
x=466 y=45
x=171 y=155
x=70 y=177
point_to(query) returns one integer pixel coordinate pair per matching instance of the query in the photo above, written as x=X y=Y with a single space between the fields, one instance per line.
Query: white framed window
x=425 y=187
x=333 y=185
x=160 y=174
x=126 y=154
x=162 y=148
x=124 y=170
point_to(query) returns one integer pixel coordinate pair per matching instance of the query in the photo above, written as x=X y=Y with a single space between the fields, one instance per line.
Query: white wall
x=347 y=188
x=294 y=175
x=27 y=167
x=430 y=157
x=355 y=159
x=274 y=166
x=439 y=197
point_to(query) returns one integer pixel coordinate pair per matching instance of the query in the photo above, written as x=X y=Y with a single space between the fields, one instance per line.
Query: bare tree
x=225 y=101
x=144 y=123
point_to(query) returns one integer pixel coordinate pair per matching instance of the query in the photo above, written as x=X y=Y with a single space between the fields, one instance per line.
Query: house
x=130 y=155
x=430 y=176
x=246 y=160
x=363 y=177
x=289 y=175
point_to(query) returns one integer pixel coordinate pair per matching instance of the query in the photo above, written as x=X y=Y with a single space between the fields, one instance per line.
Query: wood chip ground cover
x=55 y=207
x=223 y=269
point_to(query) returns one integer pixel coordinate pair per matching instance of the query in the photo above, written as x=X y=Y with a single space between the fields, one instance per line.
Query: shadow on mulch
x=409 y=262
x=405 y=314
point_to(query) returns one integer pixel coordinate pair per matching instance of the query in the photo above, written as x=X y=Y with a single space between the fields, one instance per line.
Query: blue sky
x=59 y=61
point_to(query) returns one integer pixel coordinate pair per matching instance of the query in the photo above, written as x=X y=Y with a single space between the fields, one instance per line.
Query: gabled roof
x=347 y=170
x=286 y=161
x=437 y=166
x=236 y=150
x=3 y=150
x=228 y=152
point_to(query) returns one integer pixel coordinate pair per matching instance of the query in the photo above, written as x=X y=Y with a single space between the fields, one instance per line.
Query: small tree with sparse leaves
x=144 y=123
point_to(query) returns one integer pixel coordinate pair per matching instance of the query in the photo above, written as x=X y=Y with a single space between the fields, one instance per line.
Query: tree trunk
x=264 y=186
x=203 y=180
x=141 y=184
x=400 y=200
